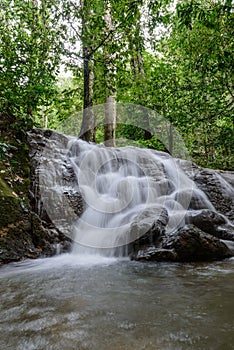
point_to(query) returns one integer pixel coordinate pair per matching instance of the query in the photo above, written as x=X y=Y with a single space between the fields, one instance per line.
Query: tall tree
x=28 y=59
x=87 y=129
x=110 y=83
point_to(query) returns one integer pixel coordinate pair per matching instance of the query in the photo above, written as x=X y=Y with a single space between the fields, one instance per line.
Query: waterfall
x=119 y=184
x=129 y=201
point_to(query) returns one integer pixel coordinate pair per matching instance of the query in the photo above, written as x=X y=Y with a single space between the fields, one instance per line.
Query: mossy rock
x=10 y=209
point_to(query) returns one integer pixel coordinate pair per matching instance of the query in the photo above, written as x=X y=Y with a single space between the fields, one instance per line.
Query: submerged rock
x=152 y=253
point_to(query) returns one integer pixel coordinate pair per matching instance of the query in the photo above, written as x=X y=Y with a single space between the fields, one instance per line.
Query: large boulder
x=188 y=244
x=211 y=222
x=192 y=244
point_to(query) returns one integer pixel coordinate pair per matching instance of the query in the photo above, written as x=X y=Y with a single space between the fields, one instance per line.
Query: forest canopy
x=58 y=57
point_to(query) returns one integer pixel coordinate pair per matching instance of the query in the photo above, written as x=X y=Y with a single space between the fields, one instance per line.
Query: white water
x=118 y=184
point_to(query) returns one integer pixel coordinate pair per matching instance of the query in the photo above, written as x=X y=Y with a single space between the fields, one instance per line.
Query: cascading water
x=123 y=201
x=118 y=184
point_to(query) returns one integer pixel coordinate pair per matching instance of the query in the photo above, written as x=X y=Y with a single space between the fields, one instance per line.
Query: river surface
x=96 y=303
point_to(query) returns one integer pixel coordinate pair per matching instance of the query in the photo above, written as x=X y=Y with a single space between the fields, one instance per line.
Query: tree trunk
x=110 y=80
x=171 y=139
x=110 y=121
x=138 y=70
x=87 y=132
x=87 y=128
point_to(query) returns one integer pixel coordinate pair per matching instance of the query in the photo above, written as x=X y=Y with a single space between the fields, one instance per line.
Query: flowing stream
x=99 y=303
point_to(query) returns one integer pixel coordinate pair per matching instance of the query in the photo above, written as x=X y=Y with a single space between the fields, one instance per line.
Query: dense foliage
x=173 y=57
x=29 y=59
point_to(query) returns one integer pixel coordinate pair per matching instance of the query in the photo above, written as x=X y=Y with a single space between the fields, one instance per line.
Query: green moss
x=10 y=209
x=15 y=168
x=5 y=190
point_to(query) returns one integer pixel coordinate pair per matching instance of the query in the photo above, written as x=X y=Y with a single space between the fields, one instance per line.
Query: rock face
x=54 y=192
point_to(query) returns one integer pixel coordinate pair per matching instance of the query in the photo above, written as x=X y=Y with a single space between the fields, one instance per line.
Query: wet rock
x=148 y=227
x=218 y=186
x=47 y=153
x=16 y=243
x=192 y=244
x=47 y=238
x=211 y=222
x=219 y=192
x=75 y=201
x=228 y=176
x=30 y=238
x=188 y=244
x=55 y=194
x=154 y=254
x=28 y=232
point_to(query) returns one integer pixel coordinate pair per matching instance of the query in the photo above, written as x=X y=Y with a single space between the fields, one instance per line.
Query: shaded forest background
x=58 y=57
